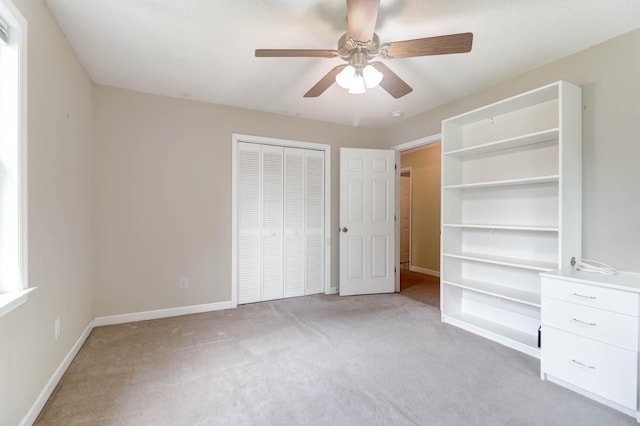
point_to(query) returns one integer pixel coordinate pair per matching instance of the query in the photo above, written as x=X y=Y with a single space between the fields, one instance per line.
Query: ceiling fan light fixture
x=356 y=79
x=372 y=77
x=357 y=85
x=346 y=77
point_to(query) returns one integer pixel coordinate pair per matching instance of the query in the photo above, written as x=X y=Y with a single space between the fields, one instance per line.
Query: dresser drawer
x=602 y=369
x=588 y=295
x=607 y=327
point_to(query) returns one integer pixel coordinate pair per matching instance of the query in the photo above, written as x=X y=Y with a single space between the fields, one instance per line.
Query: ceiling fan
x=360 y=45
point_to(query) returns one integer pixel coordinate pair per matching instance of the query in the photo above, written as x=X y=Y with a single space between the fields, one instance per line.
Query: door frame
x=235 y=139
x=416 y=143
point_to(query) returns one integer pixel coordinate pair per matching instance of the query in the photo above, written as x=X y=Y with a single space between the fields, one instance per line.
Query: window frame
x=14 y=294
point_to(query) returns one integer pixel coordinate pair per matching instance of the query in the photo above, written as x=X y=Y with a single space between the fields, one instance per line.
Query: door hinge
x=395 y=166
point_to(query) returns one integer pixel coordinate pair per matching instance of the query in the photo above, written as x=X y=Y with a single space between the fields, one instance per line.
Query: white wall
x=609 y=76
x=163 y=195
x=60 y=212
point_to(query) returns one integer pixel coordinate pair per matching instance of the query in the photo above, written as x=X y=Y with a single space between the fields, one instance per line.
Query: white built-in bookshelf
x=511 y=208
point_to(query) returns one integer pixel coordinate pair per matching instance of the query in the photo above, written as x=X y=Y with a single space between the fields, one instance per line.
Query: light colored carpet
x=319 y=360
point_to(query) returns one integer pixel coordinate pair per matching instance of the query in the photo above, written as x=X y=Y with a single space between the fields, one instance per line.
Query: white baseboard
x=601 y=400
x=161 y=313
x=42 y=399
x=424 y=271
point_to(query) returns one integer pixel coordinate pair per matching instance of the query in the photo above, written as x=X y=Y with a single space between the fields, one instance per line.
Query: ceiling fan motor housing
x=347 y=47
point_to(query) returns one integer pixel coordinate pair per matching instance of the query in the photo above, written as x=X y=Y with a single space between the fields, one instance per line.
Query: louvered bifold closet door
x=314 y=226
x=294 y=284
x=280 y=208
x=272 y=222
x=249 y=223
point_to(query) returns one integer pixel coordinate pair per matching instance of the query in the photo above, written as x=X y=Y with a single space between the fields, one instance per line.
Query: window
x=13 y=212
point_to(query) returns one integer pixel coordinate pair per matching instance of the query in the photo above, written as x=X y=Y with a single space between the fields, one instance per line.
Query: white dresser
x=589 y=335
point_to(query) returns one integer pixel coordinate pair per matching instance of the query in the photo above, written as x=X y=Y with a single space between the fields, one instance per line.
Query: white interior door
x=272 y=222
x=314 y=227
x=294 y=222
x=367 y=240
x=249 y=223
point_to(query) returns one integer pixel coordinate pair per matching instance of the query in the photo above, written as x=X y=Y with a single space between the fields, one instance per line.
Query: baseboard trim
x=597 y=398
x=161 y=313
x=42 y=399
x=424 y=271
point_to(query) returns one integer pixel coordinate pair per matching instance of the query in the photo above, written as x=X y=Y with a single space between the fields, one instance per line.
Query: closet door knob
x=344 y=229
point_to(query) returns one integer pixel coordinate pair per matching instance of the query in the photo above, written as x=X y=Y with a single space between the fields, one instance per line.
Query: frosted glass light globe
x=372 y=77
x=346 y=76
x=357 y=86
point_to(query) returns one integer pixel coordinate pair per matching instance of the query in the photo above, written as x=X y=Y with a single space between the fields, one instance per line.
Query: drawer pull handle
x=583 y=365
x=585 y=297
x=592 y=324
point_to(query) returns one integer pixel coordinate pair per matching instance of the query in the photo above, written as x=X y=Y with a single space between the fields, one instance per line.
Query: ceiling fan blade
x=361 y=19
x=441 y=45
x=391 y=82
x=303 y=53
x=324 y=83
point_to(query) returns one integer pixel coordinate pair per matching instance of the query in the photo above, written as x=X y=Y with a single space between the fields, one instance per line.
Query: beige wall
x=163 y=195
x=425 y=205
x=60 y=205
x=608 y=74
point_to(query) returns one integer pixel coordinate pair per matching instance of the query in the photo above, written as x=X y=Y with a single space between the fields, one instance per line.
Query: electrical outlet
x=184 y=282
x=56 y=327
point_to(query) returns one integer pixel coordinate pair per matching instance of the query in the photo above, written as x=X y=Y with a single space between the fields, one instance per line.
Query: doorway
x=418 y=227
x=405 y=217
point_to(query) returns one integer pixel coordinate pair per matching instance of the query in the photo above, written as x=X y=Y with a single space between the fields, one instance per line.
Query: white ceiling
x=204 y=50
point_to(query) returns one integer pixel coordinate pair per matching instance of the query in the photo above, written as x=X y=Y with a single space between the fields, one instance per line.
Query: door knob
x=344 y=229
